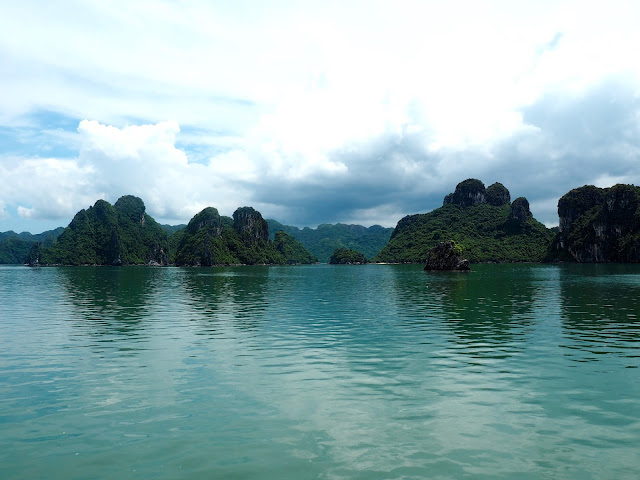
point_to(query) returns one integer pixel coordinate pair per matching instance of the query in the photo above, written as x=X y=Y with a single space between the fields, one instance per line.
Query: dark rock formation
x=446 y=256
x=497 y=195
x=598 y=225
x=520 y=210
x=469 y=192
x=249 y=223
x=577 y=202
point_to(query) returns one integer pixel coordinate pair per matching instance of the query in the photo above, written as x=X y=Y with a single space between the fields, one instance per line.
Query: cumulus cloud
x=315 y=114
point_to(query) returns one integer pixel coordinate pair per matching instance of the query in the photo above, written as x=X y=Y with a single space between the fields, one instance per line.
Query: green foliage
x=174 y=241
x=292 y=250
x=497 y=195
x=344 y=256
x=171 y=229
x=122 y=234
x=13 y=250
x=210 y=239
x=325 y=239
x=483 y=231
x=46 y=238
x=457 y=249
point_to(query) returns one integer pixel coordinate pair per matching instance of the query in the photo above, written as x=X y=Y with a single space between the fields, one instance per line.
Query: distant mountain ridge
x=15 y=247
x=326 y=238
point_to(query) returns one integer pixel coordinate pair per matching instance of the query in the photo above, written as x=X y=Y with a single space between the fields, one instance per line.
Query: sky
x=311 y=112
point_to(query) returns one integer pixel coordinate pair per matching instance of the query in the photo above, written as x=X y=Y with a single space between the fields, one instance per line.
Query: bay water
x=329 y=372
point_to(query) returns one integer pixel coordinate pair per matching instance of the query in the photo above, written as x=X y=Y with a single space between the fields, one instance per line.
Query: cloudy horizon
x=315 y=112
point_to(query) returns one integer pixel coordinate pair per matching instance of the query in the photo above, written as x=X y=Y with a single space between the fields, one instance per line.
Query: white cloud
x=289 y=106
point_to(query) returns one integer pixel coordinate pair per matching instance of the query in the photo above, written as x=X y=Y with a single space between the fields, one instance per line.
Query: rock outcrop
x=519 y=211
x=446 y=256
x=497 y=195
x=468 y=192
x=249 y=223
x=598 y=225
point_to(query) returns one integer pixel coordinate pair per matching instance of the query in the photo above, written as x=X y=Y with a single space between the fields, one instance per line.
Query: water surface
x=378 y=371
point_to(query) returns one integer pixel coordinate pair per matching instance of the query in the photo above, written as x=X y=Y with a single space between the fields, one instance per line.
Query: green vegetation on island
x=598 y=225
x=488 y=232
x=325 y=239
x=292 y=250
x=105 y=234
x=211 y=239
x=15 y=247
x=347 y=256
x=123 y=234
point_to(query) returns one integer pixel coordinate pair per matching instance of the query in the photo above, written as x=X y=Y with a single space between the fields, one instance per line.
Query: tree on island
x=346 y=256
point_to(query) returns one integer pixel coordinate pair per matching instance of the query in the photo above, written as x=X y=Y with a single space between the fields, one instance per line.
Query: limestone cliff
x=250 y=225
x=598 y=225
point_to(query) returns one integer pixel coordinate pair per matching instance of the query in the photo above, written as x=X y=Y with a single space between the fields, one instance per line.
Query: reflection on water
x=600 y=311
x=510 y=371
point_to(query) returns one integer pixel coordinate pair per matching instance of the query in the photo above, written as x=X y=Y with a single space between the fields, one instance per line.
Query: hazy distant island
x=325 y=239
x=595 y=225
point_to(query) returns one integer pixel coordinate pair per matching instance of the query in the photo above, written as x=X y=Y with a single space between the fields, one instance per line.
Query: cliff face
x=519 y=211
x=250 y=225
x=598 y=225
x=482 y=221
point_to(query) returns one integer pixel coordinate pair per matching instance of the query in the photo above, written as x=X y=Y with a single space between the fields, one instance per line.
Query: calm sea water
x=330 y=372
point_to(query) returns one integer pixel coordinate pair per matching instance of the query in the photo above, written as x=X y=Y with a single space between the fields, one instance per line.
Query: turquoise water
x=378 y=371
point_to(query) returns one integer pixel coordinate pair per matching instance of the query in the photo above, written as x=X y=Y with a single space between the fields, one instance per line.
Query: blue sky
x=311 y=112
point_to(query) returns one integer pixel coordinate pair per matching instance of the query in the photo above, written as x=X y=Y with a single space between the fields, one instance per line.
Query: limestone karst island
x=485 y=225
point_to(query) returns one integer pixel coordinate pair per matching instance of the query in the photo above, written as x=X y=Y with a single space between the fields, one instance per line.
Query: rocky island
x=484 y=221
x=124 y=234
x=598 y=225
x=446 y=256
